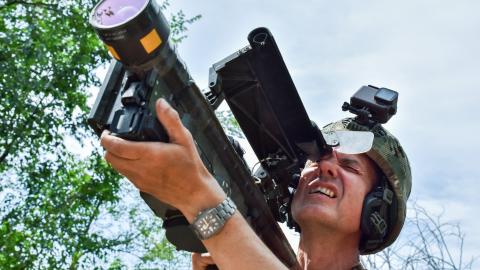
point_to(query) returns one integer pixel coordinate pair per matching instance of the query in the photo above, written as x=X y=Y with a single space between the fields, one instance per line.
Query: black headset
x=377 y=216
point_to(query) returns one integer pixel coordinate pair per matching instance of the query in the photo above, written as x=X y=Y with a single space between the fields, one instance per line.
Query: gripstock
x=255 y=83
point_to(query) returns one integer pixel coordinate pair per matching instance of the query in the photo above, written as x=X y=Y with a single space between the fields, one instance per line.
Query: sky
x=426 y=50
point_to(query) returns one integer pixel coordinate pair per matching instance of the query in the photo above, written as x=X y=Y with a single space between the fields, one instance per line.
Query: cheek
x=353 y=203
x=357 y=208
x=350 y=216
x=298 y=206
x=294 y=206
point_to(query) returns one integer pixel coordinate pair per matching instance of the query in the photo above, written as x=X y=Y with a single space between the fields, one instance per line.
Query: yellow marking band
x=113 y=52
x=151 y=41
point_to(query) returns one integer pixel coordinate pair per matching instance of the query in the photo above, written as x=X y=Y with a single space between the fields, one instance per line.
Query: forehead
x=360 y=161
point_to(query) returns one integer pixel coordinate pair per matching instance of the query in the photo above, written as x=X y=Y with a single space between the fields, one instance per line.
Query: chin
x=313 y=215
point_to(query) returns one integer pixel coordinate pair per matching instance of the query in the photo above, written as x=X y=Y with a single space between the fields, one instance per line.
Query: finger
x=195 y=258
x=170 y=120
x=196 y=264
x=106 y=132
x=122 y=148
x=201 y=261
x=121 y=165
x=206 y=259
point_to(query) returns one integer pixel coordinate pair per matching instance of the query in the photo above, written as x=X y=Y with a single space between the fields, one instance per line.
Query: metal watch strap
x=210 y=221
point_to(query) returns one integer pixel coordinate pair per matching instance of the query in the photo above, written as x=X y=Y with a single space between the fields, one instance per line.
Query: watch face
x=209 y=224
x=210 y=221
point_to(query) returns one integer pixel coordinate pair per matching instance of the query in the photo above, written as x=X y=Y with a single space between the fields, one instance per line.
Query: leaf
x=66 y=205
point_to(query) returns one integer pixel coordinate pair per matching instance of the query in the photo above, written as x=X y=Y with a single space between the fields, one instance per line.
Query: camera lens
x=113 y=12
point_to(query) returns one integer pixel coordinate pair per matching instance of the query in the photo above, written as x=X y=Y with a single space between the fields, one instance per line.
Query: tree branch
x=27 y=125
x=79 y=253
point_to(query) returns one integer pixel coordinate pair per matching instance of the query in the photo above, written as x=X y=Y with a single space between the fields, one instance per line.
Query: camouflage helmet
x=388 y=154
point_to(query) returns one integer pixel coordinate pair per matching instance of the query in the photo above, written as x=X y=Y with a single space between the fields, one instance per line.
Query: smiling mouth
x=323 y=190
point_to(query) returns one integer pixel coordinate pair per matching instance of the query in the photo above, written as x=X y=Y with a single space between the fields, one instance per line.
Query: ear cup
x=375 y=217
x=290 y=222
x=371 y=208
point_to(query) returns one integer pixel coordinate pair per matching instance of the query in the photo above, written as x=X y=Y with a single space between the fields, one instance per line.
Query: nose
x=328 y=167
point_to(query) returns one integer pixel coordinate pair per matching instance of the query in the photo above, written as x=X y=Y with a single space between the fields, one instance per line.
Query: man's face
x=331 y=192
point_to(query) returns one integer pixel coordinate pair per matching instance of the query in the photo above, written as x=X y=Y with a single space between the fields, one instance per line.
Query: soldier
x=345 y=205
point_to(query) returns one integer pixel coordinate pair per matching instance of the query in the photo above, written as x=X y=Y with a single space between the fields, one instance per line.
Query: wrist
x=211 y=221
x=209 y=196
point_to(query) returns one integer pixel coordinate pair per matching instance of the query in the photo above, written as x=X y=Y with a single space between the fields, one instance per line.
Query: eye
x=350 y=168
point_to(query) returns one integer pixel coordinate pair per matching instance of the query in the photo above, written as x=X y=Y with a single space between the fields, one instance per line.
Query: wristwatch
x=210 y=221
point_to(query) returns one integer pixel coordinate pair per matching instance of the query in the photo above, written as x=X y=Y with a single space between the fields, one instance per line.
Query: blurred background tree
x=426 y=242
x=60 y=202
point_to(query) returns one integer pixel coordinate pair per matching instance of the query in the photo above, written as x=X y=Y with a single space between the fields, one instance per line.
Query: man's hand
x=171 y=171
x=201 y=261
x=174 y=173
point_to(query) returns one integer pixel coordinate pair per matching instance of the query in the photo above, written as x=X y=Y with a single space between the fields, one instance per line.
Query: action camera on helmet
x=372 y=105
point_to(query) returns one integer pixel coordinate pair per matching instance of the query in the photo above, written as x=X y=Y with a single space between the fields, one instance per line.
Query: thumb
x=170 y=120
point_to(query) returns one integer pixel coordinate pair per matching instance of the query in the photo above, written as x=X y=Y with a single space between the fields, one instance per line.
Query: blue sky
x=426 y=50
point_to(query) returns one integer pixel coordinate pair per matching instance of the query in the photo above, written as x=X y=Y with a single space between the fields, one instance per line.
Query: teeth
x=325 y=191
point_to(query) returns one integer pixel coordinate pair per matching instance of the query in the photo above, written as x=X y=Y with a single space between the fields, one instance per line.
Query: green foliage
x=229 y=123
x=53 y=221
x=161 y=250
x=48 y=54
x=58 y=209
x=117 y=264
x=179 y=25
